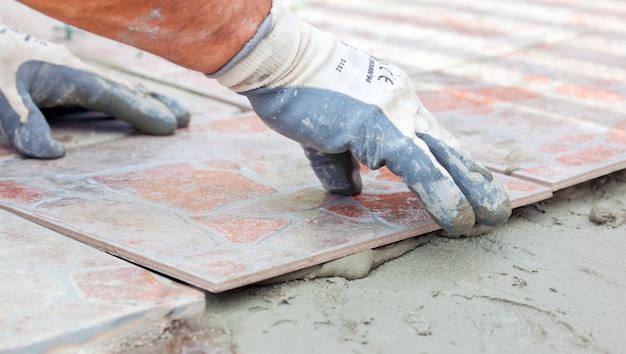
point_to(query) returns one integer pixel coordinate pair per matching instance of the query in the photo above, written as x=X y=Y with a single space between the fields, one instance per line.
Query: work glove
x=346 y=107
x=36 y=74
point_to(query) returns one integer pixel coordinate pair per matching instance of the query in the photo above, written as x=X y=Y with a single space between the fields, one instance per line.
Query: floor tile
x=422 y=36
x=553 y=114
x=211 y=205
x=56 y=291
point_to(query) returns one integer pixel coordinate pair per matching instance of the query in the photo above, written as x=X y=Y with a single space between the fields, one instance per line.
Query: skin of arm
x=201 y=35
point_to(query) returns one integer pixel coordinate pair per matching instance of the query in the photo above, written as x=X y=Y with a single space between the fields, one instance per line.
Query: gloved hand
x=36 y=74
x=345 y=106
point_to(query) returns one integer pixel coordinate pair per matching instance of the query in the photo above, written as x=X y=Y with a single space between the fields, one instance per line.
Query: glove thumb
x=338 y=173
x=30 y=136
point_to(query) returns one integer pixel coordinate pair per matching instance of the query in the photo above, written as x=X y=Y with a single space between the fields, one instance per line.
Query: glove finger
x=30 y=137
x=380 y=143
x=183 y=116
x=435 y=188
x=338 y=173
x=486 y=195
x=57 y=85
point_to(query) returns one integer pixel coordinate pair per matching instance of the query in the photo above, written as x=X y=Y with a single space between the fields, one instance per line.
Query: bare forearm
x=202 y=35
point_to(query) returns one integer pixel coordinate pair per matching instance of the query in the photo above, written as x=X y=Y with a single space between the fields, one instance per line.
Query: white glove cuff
x=269 y=56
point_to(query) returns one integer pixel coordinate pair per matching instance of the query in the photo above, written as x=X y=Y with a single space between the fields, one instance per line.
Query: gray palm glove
x=345 y=106
x=35 y=74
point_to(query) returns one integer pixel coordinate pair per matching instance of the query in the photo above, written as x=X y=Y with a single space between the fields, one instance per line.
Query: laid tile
x=204 y=206
x=422 y=36
x=56 y=291
x=523 y=192
x=553 y=114
x=7 y=151
x=164 y=186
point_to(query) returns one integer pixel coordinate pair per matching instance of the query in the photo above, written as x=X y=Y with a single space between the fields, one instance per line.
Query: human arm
x=201 y=35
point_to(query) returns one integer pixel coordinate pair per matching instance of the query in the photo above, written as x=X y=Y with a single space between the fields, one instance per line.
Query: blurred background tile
x=57 y=291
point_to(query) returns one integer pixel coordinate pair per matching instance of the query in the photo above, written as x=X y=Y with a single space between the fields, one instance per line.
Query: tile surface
x=556 y=124
x=221 y=204
x=57 y=291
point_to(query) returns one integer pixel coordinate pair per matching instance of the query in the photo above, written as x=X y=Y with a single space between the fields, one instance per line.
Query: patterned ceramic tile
x=57 y=291
x=554 y=114
x=426 y=35
x=221 y=204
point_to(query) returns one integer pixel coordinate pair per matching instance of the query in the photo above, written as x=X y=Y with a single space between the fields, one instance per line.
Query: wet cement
x=611 y=213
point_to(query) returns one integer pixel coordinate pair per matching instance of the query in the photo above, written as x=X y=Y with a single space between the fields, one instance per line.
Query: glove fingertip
x=494 y=214
x=155 y=126
x=182 y=114
x=462 y=220
x=40 y=146
x=488 y=198
x=149 y=117
x=446 y=205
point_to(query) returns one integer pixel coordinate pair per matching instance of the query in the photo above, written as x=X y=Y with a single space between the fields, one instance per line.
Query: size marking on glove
x=372 y=66
x=370 y=71
x=20 y=35
x=342 y=64
x=384 y=77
